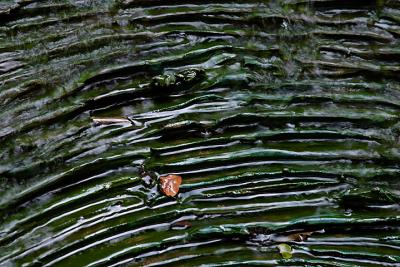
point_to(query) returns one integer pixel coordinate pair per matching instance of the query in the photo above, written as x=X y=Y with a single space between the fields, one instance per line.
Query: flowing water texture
x=281 y=117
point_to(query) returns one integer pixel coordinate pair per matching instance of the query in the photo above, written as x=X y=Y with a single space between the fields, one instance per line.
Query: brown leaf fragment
x=105 y=121
x=181 y=225
x=296 y=237
x=169 y=184
x=300 y=236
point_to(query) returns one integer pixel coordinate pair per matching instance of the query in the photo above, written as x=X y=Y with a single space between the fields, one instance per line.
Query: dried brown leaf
x=170 y=184
x=110 y=120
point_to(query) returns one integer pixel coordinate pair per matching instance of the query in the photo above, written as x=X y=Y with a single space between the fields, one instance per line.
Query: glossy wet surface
x=281 y=117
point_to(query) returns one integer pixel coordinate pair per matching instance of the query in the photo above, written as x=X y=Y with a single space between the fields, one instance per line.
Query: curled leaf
x=170 y=184
x=285 y=250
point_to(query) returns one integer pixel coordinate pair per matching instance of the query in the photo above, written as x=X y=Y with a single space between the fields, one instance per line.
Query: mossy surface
x=281 y=117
